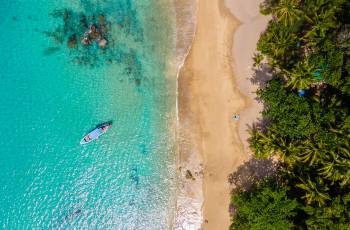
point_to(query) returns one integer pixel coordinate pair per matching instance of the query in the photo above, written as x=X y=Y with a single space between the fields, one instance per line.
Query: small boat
x=96 y=133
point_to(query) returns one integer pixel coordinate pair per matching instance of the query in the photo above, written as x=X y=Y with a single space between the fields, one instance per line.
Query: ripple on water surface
x=54 y=89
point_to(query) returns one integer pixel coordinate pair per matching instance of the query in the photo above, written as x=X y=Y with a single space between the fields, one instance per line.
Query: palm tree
x=320 y=22
x=257 y=58
x=338 y=167
x=277 y=42
x=311 y=152
x=336 y=171
x=315 y=191
x=301 y=76
x=282 y=41
x=287 y=12
x=270 y=144
x=261 y=143
x=308 y=156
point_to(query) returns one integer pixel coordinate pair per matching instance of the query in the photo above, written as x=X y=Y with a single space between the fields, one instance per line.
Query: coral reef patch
x=96 y=38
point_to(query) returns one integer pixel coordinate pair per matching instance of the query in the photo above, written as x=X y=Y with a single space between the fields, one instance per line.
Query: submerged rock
x=86 y=41
x=72 y=41
x=102 y=43
x=93 y=32
x=189 y=175
x=90 y=36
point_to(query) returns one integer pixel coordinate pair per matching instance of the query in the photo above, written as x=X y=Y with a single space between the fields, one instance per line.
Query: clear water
x=49 y=100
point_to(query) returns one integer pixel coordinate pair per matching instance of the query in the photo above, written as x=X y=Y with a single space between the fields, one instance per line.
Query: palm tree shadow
x=261 y=75
x=251 y=172
x=261 y=124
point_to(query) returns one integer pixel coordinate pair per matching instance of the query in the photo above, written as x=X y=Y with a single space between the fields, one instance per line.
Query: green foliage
x=289 y=114
x=301 y=76
x=316 y=192
x=287 y=11
x=258 y=58
x=334 y=216
x=303 y=37
x=266 y=207
x=307 y=46
x=278 y=43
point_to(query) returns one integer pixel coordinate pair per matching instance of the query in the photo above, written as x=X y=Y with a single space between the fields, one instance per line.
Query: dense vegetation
x=307 y=47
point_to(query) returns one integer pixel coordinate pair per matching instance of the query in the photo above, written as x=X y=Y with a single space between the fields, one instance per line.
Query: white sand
x=244 y=47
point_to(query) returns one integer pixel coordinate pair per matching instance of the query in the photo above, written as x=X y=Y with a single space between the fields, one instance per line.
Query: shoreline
x=211 y=145
x=189 y=197
x=208 y=136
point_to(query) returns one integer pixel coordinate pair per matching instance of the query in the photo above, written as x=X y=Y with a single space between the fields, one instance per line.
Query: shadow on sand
x=251 y=172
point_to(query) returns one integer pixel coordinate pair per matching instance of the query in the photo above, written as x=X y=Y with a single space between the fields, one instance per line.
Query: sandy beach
x=212 y=88
x=245 y=39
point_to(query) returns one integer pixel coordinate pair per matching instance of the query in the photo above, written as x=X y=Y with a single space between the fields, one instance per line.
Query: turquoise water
x=51 y=95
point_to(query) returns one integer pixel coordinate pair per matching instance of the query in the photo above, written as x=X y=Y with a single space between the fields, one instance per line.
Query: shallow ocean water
x=49 y=98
